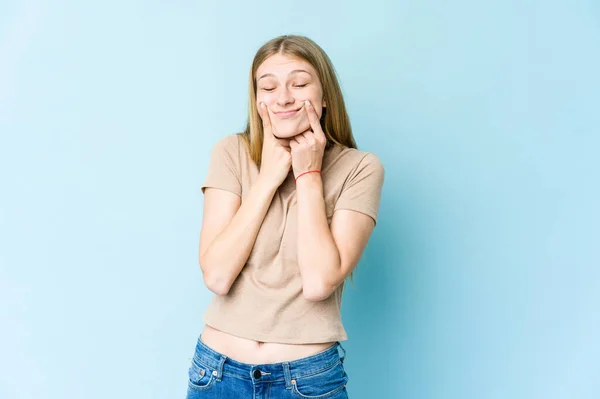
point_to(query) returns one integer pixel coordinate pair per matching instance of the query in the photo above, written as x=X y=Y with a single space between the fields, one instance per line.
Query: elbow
x=317 y=287
x=214 y=283
x=217 y=287
x=316 y=291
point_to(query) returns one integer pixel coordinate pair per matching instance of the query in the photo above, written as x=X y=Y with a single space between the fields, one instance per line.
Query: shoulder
x=229 y=147
x=358 y=161
x=229 y=142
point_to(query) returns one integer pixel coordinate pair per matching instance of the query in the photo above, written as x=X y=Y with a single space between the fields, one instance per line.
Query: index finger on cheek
x=312 y=113
x=261 y=109
x=313 y=118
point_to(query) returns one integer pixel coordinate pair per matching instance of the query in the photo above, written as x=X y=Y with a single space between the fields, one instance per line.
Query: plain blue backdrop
x=482 y=278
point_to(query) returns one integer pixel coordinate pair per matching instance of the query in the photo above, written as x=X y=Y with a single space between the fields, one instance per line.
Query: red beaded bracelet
x=318 y=171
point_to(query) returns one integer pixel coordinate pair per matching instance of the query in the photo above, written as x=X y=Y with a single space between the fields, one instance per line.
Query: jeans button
x=257 y=373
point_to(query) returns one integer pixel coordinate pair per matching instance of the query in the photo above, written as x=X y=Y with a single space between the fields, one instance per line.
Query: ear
x=324 y=103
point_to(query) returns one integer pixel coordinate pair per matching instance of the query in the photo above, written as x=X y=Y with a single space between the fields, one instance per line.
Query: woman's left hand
x=308 y=147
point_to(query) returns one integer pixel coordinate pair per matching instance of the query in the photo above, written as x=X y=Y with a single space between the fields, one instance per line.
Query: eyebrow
x=295 y=71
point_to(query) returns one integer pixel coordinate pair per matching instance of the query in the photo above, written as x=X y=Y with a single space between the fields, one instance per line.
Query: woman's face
x=283 y=84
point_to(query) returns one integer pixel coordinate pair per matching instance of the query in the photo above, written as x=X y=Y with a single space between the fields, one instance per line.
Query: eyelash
x=270 y=90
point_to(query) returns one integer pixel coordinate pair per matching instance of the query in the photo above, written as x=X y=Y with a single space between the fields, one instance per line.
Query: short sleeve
x=224 y=166
x=362 y=190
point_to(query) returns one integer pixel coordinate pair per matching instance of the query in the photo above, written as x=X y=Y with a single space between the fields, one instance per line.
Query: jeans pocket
x=327 y=383
x=201 y=377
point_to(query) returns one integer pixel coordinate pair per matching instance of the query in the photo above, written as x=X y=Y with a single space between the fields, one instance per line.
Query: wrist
x=266 y=182
x=312 y=175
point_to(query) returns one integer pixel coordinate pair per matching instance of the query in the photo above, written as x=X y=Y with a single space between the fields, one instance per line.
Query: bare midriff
x=255 y=352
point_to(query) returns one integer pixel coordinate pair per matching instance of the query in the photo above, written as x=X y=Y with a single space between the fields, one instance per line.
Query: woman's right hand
x=276 y=153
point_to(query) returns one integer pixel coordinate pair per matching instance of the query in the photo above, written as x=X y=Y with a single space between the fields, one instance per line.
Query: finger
x=266 y=120
x=300 y=139
x=285 y=143
x=309 y=137
x=313 y=118
x=264 y=115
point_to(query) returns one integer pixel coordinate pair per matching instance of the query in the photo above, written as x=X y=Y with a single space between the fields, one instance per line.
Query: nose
x=285 y=97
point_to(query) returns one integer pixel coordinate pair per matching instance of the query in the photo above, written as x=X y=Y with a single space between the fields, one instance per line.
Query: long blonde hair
x=334 y=120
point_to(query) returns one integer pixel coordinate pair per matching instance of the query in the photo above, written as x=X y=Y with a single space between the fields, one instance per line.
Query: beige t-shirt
x=265 y=302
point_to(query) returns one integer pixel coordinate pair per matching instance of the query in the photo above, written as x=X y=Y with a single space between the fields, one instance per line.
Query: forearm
x=318 y=255
x=226 y=256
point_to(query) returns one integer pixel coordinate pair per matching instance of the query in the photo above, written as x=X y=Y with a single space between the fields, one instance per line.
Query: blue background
x=482 y=278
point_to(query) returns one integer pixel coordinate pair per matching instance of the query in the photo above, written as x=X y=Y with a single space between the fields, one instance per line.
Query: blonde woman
x=289 y=206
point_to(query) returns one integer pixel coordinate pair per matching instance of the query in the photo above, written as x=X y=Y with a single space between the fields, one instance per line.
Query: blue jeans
x=319 y=376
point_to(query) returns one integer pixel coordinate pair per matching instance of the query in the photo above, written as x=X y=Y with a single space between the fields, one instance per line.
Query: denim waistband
x=270 y=372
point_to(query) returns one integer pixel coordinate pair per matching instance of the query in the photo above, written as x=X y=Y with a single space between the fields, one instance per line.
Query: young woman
x=289 y=206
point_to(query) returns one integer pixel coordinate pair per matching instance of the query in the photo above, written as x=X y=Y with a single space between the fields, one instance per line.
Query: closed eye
x=271 y=89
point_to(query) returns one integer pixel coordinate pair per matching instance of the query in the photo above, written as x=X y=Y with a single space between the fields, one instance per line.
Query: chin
x=286 y=134
x=289 y=130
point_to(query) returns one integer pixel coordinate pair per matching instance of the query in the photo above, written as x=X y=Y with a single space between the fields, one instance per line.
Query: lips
x=287 y=114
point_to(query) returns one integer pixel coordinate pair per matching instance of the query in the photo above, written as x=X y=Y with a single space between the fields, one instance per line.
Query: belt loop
x=287 y=375
x=342 y=357
x=220 y=367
